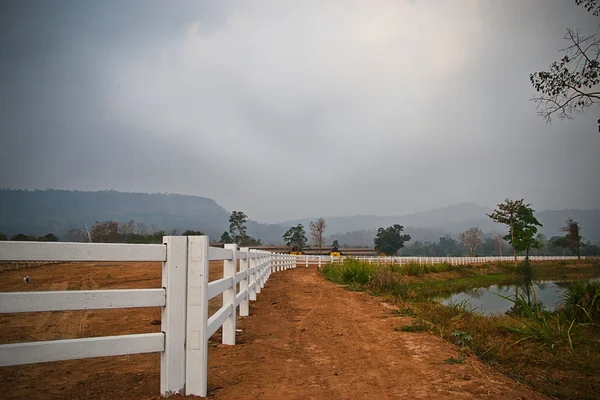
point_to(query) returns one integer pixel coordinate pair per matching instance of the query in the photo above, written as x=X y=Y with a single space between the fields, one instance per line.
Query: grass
x=554 y=352
x=582 y=301
x=417 y=326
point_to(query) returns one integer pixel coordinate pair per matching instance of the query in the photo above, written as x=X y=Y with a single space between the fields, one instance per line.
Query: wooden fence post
x=252 y=279
x=245 y=266
x=173 y=316
x=196 y=360
x=230 y=269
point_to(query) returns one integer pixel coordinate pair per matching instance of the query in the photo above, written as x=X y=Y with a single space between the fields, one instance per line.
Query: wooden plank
x=18 y=302
x=216 y=254
x=42 y=251
x=241 y=296
x=241 y=275
x=230 y=269
x=196 y=359
x=73 y=349
x=217 y=319
x=174 y=316
x=217 y=287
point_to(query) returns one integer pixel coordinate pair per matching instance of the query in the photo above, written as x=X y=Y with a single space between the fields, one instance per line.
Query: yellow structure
x=334 y=253
x=296 y=253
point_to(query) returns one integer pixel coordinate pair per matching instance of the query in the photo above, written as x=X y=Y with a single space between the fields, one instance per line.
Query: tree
x=317 y=231
x=295 y=237
x=105 y=232
x=573 y=239
x=571 y=84
x=3 y=237
x=50 y=237
x=225 y=238
x=77 y=235
x=194 y=233
x=336 y=244
x=521 y=223
x=390 y=240
x=20 y=237
x=237 y=227
x=471 y=238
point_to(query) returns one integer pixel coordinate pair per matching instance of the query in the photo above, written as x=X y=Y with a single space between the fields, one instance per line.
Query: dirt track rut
x=315 y=340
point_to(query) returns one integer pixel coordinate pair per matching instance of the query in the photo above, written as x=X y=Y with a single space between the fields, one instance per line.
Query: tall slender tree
x=317 y=233
x=522 y=224
x=471 y=238
x=573 y=239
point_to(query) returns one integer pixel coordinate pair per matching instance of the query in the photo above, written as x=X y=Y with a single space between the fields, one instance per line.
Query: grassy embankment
x=554 y=352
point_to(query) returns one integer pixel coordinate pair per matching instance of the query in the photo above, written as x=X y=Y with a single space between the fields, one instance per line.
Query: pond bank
x=545 y=350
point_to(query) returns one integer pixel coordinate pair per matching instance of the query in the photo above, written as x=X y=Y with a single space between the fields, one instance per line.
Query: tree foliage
x=521 y=222
x=317 y=233
x=20 y=237
x=77 y=235
x=390 y=240
x=192 y=233
x=571 y=84
x=225 y=238
x=237 y=227
x=472 y=239
x=295 y=237
x=572 y=239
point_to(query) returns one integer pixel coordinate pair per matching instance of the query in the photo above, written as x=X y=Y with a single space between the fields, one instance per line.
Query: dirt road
x=305 y=339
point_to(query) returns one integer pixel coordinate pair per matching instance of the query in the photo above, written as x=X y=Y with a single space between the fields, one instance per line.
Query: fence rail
x=323 y=259
x=183 y=298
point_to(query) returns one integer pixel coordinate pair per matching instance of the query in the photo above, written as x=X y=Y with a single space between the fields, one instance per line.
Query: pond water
x=486 y=301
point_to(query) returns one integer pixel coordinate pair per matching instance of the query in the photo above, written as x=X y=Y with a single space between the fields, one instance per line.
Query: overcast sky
x=289 y=109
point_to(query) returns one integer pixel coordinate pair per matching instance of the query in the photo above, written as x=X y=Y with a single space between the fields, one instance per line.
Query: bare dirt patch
x=305 y=339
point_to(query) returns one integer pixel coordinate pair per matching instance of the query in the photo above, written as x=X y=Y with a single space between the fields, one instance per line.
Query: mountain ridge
x=37 y=212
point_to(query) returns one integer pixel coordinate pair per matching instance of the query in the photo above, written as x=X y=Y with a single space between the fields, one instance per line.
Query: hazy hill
x=41 y=211
x=430 y=225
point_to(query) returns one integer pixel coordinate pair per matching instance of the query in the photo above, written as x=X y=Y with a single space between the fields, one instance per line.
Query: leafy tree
x=237 y=227
x=295 y=237
x=390 y=240
x=50 y=237
x=225 y=238
x=573 y=239
x=105 y=232
x=447 y=246
x=193 y=233
x=250 y=241
x=20 y=237
x=3 y=237
x=521 y=223
x=317 y=232
x=77 y=235
x=336 y=244
x=571 y=84
x=471 y=238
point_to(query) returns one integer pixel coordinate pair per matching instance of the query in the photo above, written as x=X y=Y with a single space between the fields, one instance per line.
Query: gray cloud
x=293 y=109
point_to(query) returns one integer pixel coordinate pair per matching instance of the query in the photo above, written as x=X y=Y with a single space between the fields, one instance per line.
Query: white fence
x=185 y=323
x=320 y=260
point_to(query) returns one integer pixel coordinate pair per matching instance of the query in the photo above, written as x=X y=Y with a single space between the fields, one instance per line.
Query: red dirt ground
x=306 y=338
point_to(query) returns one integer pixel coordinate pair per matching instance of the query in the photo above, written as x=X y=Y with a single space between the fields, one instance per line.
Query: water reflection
x=486 y=300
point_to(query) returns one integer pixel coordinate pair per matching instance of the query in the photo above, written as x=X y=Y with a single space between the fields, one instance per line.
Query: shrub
x=582 y=301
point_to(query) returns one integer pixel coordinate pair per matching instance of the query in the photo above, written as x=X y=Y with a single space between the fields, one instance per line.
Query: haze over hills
x=43 y=211
x=432 y=224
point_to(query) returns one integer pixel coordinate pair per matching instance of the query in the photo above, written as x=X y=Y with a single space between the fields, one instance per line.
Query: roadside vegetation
x=556 y=352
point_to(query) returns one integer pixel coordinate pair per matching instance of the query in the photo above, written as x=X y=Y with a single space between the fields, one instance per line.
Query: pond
x=486 y=301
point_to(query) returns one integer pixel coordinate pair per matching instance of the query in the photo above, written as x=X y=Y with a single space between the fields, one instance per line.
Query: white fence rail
x=324 y=259
x=185 y=323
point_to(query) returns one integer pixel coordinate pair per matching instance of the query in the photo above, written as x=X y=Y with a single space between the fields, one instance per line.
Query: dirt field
x=305 y=339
